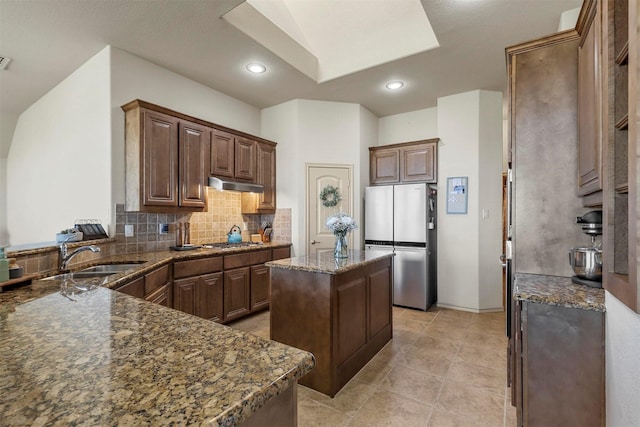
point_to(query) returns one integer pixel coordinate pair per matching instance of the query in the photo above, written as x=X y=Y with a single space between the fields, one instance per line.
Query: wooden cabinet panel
x=405 y=162
x=266 y=176
x=418 y=163
x=351 y=308
x=379 y=301
x=209 y=297
x=384 y=166
x=281 y=253
x=160 y=296
x=562 y=366
x=589 y=104
x=196 y=267
x=193 y=171
x=160 y=159
x=134 y=288
x=237 y=293
x=260 y=287
x=222 y=154
x=184 y=295
x=245 y=159
x=156 y=279
x=246 y=259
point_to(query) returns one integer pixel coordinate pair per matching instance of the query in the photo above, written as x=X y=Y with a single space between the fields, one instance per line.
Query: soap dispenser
x=4 y=266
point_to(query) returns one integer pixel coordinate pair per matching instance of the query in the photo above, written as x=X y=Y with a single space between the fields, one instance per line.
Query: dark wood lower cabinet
x=200 y=296
x=343 y=319
x=237 y=290
x=260 y=287
x=557 y=366
x=154 y=287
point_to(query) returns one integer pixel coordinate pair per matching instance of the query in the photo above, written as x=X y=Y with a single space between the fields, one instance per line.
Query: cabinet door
x=160 y=296
x=384 y=167
x=236 y=293
x=245 y=159
x=160 y=164
x=135 y=288
x=184 y=295
x=222 y=154
x=418 y=163
x=589 y=109
x=266 y=175
x=193 y=171
x=209 y=291
x=260 y=287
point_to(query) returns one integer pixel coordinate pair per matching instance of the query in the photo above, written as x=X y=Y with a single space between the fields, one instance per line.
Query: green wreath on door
x=330 y=196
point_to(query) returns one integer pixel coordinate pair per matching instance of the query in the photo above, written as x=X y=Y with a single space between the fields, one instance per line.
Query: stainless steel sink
x=110 y=268
x=80 y=275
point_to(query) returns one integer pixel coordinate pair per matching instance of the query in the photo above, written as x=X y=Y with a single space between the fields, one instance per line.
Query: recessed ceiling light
x=256 y=68
x=394 y=85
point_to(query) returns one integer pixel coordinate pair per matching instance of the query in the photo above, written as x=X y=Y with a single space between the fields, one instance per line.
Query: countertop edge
x=557 y=291
x=328 y=264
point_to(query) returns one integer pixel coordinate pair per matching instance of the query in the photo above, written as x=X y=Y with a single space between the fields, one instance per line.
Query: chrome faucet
x=65 y=256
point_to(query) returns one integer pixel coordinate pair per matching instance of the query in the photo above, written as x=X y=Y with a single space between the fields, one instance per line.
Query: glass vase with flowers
x=340 y=224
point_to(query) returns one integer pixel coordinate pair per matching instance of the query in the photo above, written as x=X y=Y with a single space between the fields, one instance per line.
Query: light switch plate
x=128 y=230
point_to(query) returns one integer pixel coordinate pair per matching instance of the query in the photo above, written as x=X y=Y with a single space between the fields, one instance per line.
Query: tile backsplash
x=223 y=212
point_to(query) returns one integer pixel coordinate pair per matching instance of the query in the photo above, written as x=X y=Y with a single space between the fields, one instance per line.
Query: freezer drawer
x=410 y=284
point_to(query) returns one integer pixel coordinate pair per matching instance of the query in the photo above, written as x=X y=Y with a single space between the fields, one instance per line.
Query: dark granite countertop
x=326 y=263
x=555 y=290
x=100 y=357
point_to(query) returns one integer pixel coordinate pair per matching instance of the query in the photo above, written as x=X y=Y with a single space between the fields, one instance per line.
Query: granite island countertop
x=100 y=357
x=326 y=263
x=556 y=290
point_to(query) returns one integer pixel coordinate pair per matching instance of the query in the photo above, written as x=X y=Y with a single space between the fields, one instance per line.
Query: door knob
x=313 y=242
x=503 y=260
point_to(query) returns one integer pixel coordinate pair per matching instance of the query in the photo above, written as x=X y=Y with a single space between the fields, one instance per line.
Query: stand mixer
x=587 y=261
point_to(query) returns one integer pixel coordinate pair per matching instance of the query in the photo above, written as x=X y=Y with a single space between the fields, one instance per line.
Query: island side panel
x=301 y=317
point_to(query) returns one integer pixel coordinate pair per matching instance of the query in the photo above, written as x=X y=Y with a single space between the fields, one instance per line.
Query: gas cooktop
x=225 y=245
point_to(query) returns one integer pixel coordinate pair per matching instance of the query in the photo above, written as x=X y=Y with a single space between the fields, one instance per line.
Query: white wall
x=406 y=127
x=58 y=163
x=622 y=363
x=7 y=127
x=325 y=132
x=470 y=131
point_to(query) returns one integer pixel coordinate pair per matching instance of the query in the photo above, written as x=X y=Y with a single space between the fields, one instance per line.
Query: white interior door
x=319 y=238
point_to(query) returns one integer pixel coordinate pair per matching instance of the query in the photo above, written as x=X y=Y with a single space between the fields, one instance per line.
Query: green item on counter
x=4 y=266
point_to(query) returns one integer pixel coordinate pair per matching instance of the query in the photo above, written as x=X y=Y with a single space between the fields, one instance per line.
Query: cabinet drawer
x=281 y=253
x=135 y=288
x=156 y=279
x=197 y=267
x=248 y=258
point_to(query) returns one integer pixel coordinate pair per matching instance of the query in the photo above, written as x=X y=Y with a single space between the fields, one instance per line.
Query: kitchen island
x=104 y=358
x=337 y=309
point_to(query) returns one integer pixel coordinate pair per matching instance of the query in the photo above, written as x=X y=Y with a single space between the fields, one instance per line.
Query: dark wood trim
x=403 y=144
x=144 y=104
x=561 y=37
x=585 y=18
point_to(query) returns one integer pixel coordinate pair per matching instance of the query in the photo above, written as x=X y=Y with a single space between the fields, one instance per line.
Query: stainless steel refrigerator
x=402 y=219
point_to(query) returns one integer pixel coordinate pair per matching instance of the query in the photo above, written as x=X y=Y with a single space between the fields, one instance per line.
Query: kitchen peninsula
x=101 y=357
x=337 y=309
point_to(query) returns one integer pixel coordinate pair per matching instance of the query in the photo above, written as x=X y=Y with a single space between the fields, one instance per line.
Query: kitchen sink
x=80 y=275
x=110 y=268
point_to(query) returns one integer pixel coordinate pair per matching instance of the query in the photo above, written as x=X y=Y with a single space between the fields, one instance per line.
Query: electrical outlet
x=128 y=230
x=163 y=228
x=244 y=226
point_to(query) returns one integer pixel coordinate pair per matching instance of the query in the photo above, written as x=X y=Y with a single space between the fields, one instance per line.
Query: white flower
x=341 y=223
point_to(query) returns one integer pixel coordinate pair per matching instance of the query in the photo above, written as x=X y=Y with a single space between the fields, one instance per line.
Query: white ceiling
x=49 y=39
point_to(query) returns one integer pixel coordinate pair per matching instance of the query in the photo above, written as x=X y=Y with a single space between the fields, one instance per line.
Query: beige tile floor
x=443 y=368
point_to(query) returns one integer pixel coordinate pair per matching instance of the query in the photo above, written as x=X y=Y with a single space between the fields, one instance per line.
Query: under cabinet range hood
x=225 y=184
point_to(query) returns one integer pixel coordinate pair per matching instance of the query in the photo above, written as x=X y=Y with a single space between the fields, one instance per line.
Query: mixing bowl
x=586 y=262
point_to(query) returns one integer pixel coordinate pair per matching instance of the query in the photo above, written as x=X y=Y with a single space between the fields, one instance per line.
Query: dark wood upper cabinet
x=263 y=203
x=590 y=112
x=245 y=159
x=166 y=159
x=194 y=157
x=407 y=162
x=222 y=154
x=159 y=148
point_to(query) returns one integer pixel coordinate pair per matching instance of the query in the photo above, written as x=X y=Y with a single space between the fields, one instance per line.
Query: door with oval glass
x=333 y=182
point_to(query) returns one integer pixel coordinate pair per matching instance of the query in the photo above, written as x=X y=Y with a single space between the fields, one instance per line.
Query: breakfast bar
x=337 y=309
x=101 y=357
